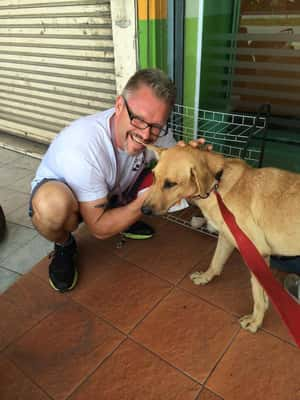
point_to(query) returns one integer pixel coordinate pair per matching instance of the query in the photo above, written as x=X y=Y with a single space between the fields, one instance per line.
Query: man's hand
x=196 y=143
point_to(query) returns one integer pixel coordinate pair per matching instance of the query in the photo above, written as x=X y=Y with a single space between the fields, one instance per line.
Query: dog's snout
x=146 y=210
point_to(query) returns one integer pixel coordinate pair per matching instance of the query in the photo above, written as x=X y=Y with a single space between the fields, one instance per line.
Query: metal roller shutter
x=56 y=64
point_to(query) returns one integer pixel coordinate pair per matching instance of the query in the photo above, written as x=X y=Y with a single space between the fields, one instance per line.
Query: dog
x=264 y=201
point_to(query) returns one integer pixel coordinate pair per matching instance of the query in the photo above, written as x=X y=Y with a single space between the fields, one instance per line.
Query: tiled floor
x=135 y=327
x=23 y=247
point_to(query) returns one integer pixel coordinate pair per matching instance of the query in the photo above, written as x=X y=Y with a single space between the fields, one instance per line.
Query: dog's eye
x=168 y=184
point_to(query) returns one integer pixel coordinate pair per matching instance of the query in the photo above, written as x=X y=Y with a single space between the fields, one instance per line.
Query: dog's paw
x=200 y=278
x=250 y=323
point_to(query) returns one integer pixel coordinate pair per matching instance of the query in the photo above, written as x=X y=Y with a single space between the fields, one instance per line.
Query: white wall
x=123 y=13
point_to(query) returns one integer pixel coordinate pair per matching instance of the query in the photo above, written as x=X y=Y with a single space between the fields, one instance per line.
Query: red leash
x=287 y=308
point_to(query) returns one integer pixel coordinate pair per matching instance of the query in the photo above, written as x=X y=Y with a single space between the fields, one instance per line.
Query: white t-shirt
x=83 y=157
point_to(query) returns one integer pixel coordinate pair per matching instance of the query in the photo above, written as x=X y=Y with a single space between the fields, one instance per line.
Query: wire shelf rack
x=233 y=135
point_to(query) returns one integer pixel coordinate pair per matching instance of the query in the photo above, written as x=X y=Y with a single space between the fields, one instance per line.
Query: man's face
x=144 y=105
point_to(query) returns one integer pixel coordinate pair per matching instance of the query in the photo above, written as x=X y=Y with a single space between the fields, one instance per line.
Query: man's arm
x=104 y=223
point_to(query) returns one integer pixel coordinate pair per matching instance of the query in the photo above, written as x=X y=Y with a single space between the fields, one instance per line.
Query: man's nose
x=146 y=133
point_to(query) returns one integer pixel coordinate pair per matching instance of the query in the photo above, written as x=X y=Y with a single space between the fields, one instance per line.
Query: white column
x=124 y=27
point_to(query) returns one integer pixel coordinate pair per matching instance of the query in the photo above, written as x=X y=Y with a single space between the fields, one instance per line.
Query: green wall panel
x=153 y=44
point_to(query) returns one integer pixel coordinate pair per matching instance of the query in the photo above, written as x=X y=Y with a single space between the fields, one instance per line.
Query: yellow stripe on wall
x=152 y=9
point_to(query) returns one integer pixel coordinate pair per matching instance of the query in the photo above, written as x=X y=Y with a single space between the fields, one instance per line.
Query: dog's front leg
x=261 y=303
x=223 y=251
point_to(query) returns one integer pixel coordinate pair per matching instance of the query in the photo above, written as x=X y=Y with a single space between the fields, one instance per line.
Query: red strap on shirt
x=146 y=182
x=287 y=308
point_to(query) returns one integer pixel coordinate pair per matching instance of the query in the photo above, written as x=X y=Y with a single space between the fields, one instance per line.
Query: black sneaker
x=139 y=230
x=63 y=274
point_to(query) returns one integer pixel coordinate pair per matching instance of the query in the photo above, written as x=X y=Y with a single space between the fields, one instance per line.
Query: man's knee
x=53 y=204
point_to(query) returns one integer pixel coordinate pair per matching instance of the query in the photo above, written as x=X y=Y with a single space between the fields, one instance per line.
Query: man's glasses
x=155 y=129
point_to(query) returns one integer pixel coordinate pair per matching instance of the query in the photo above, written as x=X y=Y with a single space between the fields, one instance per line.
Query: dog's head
x=181 y=172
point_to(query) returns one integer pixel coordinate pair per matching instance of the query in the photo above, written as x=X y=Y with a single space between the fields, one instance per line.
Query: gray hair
x=157 y=80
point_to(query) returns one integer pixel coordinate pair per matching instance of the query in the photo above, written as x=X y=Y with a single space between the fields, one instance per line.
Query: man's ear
x=156 y=150
x=118 y=104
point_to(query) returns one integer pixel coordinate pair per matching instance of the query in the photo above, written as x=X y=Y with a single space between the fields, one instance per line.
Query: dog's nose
x=146 y=210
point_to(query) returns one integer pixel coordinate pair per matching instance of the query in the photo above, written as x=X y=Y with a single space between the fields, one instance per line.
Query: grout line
x=10 y=270
x=69 y=299
x=22 y=246
x=286 y=341
x=219 y=397
x=87 y=377
x=100 y=317
x=182 y=372
x=233 y=314
x=150 y=311
x=21 y=151
x=237 y=317
x=27 y=376
x=123 y=258
x=22 y=225
x=222 y=355
x=129 y=337
x=35 y=324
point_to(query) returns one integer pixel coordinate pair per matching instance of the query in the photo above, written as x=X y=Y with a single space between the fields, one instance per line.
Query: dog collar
x=215 y=187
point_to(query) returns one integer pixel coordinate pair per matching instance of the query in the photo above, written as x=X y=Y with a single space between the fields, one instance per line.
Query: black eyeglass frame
x=141 y=124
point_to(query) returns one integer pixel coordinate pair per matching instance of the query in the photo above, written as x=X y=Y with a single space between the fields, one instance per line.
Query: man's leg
x=139 y=230
x=55 y=214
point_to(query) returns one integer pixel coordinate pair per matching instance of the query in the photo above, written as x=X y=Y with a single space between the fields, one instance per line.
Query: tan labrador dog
x=265 y=202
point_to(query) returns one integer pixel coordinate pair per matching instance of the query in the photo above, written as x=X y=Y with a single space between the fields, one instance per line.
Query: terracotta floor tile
x=232 y=292
x=171 y=253
x=14 y=385
x=258 y=367
x=133 y=373
x=118 y=291
x=187 y=332
x=63 y=349
x=274 y=324
x=24 y=304
x=85 y=240
x=92 y=249
x=208 y=395
x=232 y=285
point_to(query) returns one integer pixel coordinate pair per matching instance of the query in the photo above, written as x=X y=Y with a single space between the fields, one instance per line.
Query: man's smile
x=136 y=138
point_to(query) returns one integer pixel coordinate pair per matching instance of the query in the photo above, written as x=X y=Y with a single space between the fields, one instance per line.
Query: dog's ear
x=195 y=179
x=201 y=177
x=215 y=162
x=156 y=150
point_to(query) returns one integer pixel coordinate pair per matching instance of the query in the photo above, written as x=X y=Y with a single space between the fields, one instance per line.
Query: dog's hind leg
x=223 y=251
x=261 y=303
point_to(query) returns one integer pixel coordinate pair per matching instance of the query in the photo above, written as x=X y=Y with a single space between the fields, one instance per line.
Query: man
x=89 y=171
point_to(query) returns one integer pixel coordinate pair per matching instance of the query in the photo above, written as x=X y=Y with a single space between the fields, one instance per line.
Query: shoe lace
x=56 y=251
x=61 y=253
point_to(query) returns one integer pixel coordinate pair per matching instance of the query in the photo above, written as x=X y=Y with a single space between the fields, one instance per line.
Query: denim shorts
x=37 y=186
